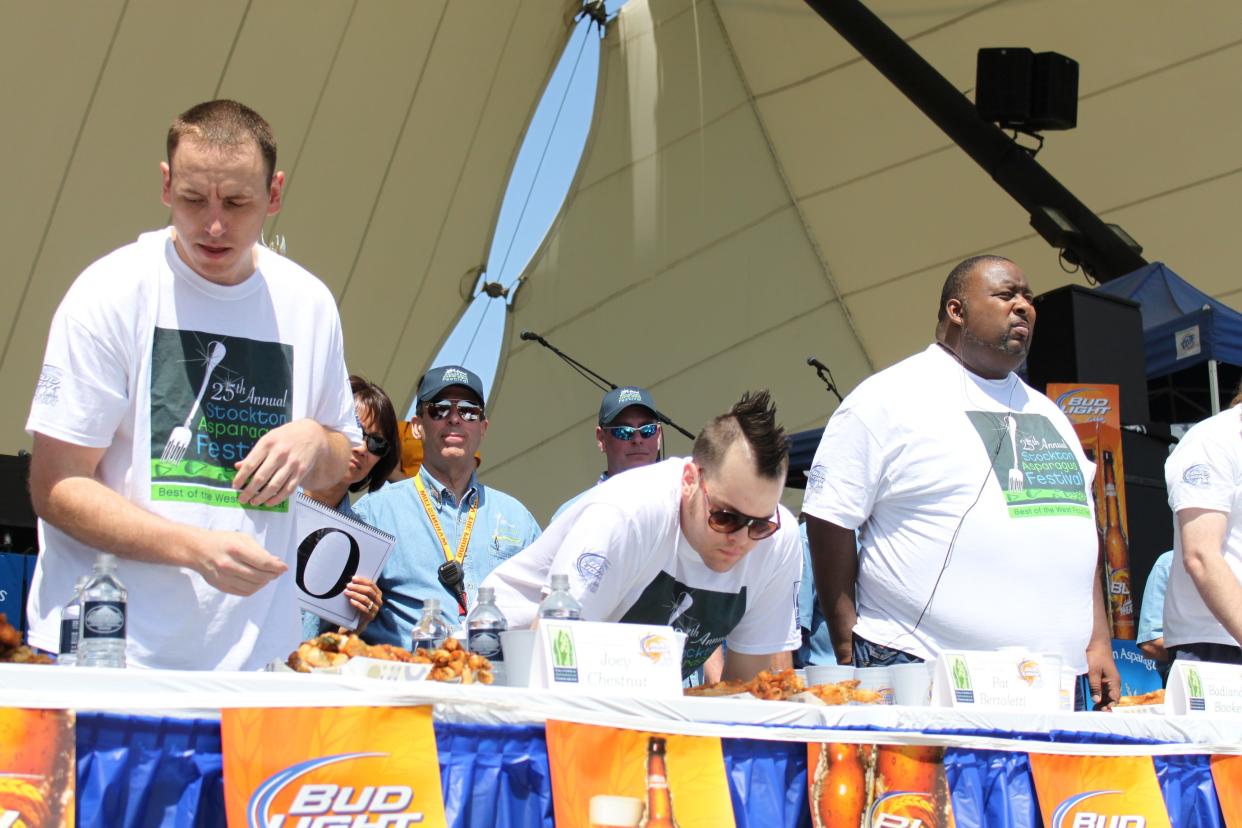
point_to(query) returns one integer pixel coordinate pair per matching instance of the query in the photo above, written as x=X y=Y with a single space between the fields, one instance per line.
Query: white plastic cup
x=615 y=811
x=828 y=673
x=879 y=679
x=518 y=646
x=911 y=684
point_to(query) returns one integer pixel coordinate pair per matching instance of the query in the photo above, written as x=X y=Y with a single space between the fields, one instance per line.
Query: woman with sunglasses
x=370 y=464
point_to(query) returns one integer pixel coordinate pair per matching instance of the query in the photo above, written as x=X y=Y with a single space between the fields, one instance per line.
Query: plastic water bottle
x=484 y=625
x=560 y=605
x=432 y=631
x=101 y=637
x=70 y=619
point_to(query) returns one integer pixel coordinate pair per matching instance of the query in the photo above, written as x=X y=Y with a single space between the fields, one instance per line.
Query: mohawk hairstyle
x=753 y=419
x=224 y=124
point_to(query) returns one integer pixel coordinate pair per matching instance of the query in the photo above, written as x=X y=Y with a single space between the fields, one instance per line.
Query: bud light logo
x=1069 y=814
x=1079 y=402
x=277 y=803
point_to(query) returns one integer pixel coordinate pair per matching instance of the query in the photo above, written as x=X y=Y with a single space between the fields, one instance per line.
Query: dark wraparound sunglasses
x=468 y=411
x=626 y=433
x=376 y=444
x=727 y=521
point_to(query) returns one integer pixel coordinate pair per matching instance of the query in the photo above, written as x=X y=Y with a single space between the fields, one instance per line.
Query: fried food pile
x=844 y=692
x=785 y=685
x=766 y=685
x=13 y=651
x=1154 y=697
x=448 y=663
x=452 y=662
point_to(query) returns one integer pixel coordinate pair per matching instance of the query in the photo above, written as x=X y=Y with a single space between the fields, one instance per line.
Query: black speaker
x=1085 y=336
x=1148 y=516
x=1020 y=89
x=1054 y=92
x=1003 y=79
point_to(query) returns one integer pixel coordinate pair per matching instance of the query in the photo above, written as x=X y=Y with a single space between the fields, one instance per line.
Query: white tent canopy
x=397 y=124
x=754 y=193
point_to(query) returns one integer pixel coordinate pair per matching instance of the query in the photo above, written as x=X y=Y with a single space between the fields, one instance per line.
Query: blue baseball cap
x=619 y=399
x=437 y=379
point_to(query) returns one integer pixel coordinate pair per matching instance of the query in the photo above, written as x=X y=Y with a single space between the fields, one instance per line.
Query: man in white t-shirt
x=970 y=494
x=700 y=543
x=192 y=381
x=1203 y=605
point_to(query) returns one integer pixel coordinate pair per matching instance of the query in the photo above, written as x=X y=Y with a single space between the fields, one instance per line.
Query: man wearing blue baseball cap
x=451 y=530
x=628 y=434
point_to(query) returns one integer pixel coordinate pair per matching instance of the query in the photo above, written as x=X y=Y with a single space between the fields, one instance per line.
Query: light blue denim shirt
x=1151 y=618
x=502 y=528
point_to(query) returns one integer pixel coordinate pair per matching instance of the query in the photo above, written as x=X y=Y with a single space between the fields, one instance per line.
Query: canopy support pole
x=1214 y=386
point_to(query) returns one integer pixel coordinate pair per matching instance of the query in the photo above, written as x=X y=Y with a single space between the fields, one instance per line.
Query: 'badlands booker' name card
x=1006 y=680
x=1204 y=687
x=606 y=659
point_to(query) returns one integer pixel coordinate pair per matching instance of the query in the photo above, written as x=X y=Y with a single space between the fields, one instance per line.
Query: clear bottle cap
x=431 y=605
x=486 y=595
x=105 y=560
x=560 y=581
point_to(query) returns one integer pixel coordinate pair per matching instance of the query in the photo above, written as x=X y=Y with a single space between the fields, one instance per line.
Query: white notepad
x=331 y=549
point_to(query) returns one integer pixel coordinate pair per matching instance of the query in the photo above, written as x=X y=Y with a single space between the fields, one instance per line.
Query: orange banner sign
x=877 y=786
x=604 y=777
x=37 y=768
x=1227 y=777
x=1098 y=791
x=303 y=767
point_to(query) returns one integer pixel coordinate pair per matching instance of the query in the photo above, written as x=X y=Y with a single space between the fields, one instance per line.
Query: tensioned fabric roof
x=754 y=192
x=398 y=123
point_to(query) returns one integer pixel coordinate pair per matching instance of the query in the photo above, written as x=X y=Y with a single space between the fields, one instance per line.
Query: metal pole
x=1214 y=386
x=1102 y=251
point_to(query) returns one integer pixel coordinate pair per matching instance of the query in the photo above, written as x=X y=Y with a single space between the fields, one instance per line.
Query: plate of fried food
x=347 y=654
x=13 y=651
x=1152 y=702
x=766 y=685
x=841 y=692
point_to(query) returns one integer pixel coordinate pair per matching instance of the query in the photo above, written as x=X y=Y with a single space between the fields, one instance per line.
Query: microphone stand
x=821 y=370
x=600 y=382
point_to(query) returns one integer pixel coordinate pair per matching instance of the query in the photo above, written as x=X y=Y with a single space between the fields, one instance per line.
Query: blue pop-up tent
x=1182 y=325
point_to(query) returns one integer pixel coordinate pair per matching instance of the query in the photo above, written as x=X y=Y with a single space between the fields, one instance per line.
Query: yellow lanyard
x=435 y=523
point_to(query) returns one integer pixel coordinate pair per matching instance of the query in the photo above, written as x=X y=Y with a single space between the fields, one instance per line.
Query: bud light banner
x=37 y=768
x=318 y=767
x=604 y=777
x=1098 y=792
x=1227 y=778
x=877 y=786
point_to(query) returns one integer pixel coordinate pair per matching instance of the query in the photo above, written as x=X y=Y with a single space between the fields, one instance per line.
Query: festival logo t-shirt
x=176 y=378
x=970 y=495
x=622 y=546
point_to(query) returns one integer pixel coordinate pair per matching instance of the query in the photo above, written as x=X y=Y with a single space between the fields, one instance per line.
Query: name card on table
x=1204 y=687
x=1004 y=680
x=607 y=659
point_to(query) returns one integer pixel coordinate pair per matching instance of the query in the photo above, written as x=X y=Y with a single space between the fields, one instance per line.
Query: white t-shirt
x=922 y=459
x=622 y=546
x=1203 y=472
x=145 y=357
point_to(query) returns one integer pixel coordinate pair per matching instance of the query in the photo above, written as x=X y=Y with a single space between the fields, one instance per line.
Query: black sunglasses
x=626 y=433
x=376 y=444
x=727 y=521
x=468 y=411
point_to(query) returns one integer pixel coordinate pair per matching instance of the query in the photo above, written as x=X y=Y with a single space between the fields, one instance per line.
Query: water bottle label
x=561 y=614
x=103 y=619
x=487 y=644
x=68 y=636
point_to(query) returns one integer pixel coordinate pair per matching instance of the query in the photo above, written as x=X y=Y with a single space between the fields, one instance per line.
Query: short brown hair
x=752 y=418
x=1237 y=397
x=224 y=124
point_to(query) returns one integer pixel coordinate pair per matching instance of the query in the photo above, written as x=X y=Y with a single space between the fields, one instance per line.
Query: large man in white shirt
x=192 y=381
x=970 y=494
x=700 y=543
